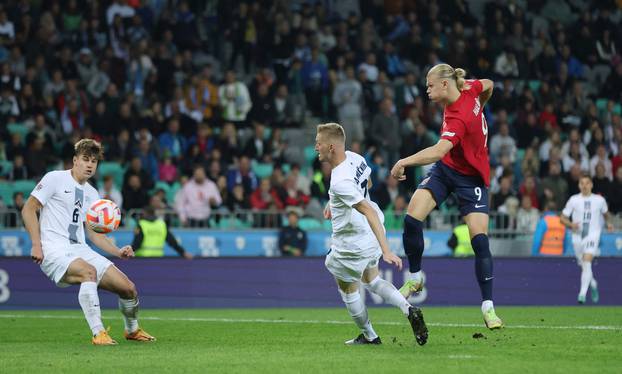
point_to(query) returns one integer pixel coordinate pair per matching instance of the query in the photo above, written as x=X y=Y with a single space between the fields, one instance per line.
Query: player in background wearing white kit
x=584 y=214
x=358 y=240
x=59 y=247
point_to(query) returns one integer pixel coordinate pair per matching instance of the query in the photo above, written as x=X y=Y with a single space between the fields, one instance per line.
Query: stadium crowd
x=192 y=98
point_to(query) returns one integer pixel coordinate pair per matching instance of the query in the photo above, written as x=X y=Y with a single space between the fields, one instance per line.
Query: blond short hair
x=332 y=131
x=89 y=148
x=448 y=72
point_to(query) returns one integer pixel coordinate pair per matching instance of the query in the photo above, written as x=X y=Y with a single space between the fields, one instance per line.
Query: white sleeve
x=348 y=192
x=568 y=208
x=45 y=188
x=604 y=208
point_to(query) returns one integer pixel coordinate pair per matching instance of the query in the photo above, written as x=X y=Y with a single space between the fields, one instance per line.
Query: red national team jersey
x=465 y=127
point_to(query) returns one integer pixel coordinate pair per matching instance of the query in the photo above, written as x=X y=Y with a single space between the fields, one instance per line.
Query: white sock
x=129 y=309
x=358 y=312
x=415 y=276
x=586 y=277
x=89 y=301
x=389 y=293
x=487 y=305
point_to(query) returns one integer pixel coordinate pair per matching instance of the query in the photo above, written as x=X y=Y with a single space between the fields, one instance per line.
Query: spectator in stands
x=602 y=184
x=15 y=220
x=394 y=213
x=527 y=216
x=615 y=200
x=554 y=186
x=167 y=170
x=292 y=239
x=502 y=144
x=136 y=168
x=530 y=163
x=19 y=170
x=258 y=147
x=234 y=100
x=134 y=193
x=228 y=143
x=574 y=157
x=263 y=110
x=385 y=132
x=109 y=191
x=197 y=199
x=148 y=158
x=293 y=196
x=172 y=142
x=237 y=202
x=386 y=192
x=265 y=201
x=550 y=238
x=242 y=175
x=152 y=233
x=348 y=98
x=602 y=158
x=505 y=191
x=529 y=188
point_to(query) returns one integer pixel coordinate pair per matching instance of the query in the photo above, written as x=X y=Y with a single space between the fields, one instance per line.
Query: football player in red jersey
x=461 y=166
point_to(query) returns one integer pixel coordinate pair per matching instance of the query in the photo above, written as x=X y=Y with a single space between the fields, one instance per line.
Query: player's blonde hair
x=448 y=72
x=332 y=131
x=89 y=148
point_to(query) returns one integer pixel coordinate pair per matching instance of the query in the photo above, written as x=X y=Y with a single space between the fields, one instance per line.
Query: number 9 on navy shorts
x=471 y=191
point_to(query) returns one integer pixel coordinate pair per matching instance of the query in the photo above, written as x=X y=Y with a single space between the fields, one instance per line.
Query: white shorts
x=350 y=269
x=587 y=245
x=56 y=262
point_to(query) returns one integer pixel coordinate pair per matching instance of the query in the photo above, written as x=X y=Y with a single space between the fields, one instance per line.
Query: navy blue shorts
x=471 y=191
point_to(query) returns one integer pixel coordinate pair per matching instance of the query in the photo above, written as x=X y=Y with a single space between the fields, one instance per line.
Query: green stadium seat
x=309 y=224
x=163 y=186
x=601 y=104
x=233 y=223
x=112 y=168
x=24 y=186
x=6 y=192
x=19 y=128
x=534 y=85
x=172 y=191
x=6 y=166
x=262 y=170
x=310 y=154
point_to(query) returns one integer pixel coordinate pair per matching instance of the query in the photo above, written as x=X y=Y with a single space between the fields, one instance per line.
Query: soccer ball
x=103 y=216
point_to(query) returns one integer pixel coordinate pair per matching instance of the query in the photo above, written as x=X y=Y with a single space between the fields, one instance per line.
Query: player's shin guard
x=412 y=238
x=586 y=277
x=389 y=293
x=483 y=265
x=129 y=309
x=89 y=302
x=358 y=311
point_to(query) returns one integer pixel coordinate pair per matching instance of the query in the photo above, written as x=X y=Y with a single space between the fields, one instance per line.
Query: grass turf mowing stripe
x=288 y=321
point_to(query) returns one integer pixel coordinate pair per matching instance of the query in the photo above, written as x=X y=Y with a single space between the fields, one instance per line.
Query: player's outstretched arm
x=423 y=157
x=106 y=244
x=487 y=87
x=369 y=212
x=31 y=221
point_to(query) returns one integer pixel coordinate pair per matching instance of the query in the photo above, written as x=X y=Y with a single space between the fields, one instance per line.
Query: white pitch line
x=329 y=322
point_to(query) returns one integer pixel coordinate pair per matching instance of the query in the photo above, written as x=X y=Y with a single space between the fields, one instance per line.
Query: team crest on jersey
x=39 y=186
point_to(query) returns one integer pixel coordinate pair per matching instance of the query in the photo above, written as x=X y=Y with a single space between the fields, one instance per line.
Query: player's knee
x=128 y=291
x=88 y=274
x=481 y=246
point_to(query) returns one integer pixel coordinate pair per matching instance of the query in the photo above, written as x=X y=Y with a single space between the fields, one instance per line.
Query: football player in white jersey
x=585 y=213
x=358 y=239
x=59 y=247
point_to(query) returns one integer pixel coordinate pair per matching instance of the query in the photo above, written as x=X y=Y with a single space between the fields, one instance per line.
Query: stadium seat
x=233 y=223
x=112 y=168
x=310 y=154
x=24 y=186
x=6 y=166
x=262 y=170
x=6 y=192
x=172 y=191
x=19 y=128
x=163 y=186
x=534 y=85
x=309 y=224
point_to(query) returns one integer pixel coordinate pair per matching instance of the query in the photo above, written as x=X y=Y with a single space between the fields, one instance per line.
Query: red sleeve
x=453 y=130
x=476 y=86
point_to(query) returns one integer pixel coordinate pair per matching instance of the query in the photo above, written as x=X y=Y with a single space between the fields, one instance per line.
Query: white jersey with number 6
x=588 y=212
x=352 y=235
x=65 y=203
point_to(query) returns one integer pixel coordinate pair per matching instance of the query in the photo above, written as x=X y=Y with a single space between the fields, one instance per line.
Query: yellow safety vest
x=154 y=237
x=464 y=248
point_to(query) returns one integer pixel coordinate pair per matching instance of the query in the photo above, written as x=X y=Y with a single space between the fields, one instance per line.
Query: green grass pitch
x=536 y=340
